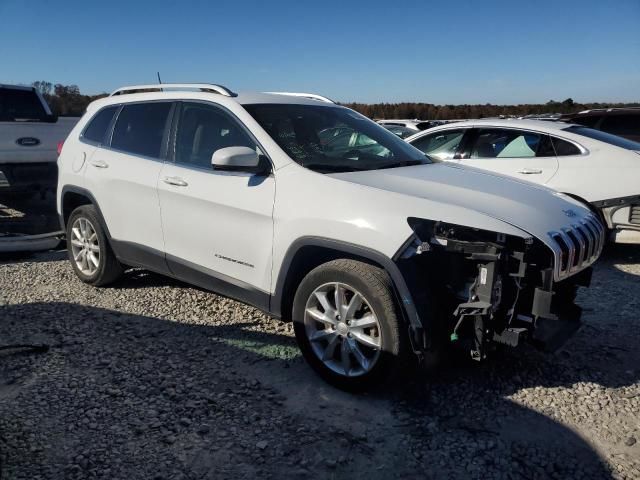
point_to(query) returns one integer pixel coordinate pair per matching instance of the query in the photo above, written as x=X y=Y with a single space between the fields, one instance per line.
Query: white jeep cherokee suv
x=317 y=215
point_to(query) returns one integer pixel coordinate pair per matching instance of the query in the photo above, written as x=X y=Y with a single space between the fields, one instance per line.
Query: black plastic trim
x=616 y=202
x=85 y=193
x=136 y=255
x=404 y=296
x=218 y=282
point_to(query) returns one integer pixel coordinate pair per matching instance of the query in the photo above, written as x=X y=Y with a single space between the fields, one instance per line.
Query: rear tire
x=348 y=326
x=89 y=251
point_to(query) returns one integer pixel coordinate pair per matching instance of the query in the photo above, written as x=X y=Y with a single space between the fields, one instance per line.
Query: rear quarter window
x=564 y=148
x=97 y=128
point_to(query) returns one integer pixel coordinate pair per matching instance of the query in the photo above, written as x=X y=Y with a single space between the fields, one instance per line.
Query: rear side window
x=97 y=128
x=498 y=143
x=203 y=129
x=564 y=148
x=18 y=104
x=140 y=128
x=587 y=121
x=622 y=124
x=440 y=145
x=604 y=137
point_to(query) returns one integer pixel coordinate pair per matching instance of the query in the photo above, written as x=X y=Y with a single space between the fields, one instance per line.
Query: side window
x=498 y=143
x=587 y=120
x=563 y=148
x=440 y=145
x=140 y=128
x=203 y=129
x=98 y=125
x=621 y=124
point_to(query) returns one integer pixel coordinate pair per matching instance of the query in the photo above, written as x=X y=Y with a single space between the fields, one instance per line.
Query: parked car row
x=376 y=252
x=594 y=167
x=624 y=122
x=406 y=128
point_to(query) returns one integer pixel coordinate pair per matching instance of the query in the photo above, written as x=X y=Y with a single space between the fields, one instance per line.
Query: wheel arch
x=307 y=253
x=73 y=197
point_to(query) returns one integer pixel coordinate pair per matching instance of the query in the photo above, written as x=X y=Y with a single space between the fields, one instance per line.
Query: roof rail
x=312 y=96
x=203 y=87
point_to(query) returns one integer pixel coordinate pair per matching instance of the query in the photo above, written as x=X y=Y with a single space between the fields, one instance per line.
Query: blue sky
x=459 y=51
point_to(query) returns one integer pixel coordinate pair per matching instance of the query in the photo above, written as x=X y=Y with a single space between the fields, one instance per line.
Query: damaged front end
x=478 y=288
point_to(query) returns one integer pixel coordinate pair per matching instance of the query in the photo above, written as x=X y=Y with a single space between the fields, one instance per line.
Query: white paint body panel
x=218 y=220
x=126 y=190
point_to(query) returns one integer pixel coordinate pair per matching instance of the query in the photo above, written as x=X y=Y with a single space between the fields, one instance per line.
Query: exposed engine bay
x=491 y=289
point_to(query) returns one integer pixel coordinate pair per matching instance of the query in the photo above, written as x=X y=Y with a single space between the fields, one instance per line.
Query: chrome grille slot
x=577 y=247
x=591 y=237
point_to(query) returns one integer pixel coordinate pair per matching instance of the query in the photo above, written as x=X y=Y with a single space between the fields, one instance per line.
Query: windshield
x=330 y=139
x=18 y=104
x=604 y=137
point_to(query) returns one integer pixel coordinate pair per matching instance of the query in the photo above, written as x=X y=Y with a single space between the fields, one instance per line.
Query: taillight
x=60 y=145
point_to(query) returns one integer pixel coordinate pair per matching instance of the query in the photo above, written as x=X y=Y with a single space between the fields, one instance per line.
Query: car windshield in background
x=20 y=105
x=604 y=137
x=331 y=139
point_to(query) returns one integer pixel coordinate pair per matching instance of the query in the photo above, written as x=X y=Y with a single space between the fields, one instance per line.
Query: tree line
x=66 y=100
x=429 y=111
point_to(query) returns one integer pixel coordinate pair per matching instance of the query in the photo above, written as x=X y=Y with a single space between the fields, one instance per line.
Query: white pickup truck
x=29 y=135
x=29 y=138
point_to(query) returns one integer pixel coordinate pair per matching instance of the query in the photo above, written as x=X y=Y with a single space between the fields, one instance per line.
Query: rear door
x=123 y=177
x=509 y=151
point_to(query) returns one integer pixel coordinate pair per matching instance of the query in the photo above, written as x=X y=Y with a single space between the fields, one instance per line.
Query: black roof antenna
x=159 y=81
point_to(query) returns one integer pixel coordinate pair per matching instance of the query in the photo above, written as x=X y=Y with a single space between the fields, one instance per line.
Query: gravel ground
x=155 y=379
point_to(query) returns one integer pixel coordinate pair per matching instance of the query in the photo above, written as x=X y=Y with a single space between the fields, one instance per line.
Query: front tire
x=89 y=251
x=348 y=326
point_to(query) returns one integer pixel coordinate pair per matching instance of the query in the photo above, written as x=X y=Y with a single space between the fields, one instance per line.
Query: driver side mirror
x=240 y=159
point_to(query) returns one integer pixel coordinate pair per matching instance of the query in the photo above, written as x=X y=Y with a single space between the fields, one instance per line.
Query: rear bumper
x=622 y=216
x=30 y=243
x=626 y=236
x=21 y=177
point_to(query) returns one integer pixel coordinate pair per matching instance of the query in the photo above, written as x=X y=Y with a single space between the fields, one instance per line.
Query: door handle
x=530 y=171
x=99 y=163
x=175 y=181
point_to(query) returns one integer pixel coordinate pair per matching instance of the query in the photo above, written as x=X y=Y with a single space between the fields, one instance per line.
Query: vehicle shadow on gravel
x=121 y=395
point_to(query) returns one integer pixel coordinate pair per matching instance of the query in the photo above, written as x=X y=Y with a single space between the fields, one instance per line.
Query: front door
x=218 y=225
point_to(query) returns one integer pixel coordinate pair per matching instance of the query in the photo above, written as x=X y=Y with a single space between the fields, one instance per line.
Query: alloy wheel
x=84 y=246
x=343 y=329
